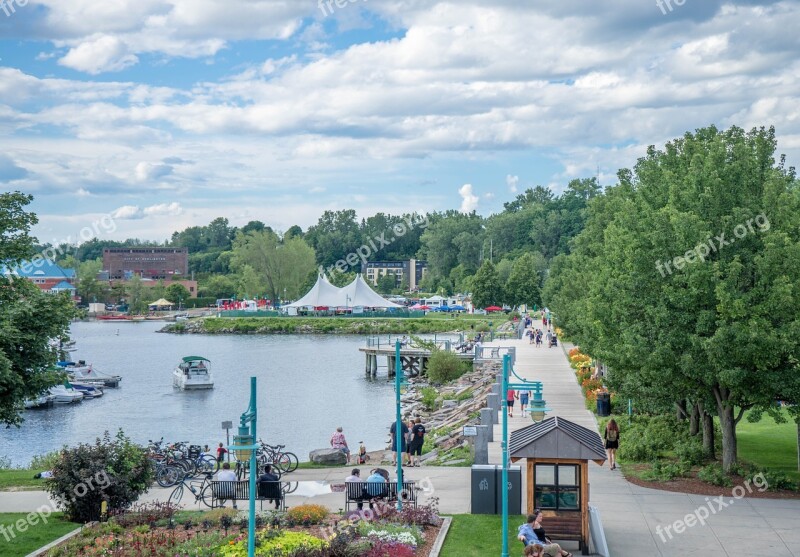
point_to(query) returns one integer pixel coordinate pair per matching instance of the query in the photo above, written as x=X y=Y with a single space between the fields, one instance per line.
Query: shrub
x=715 y=475
x=666 y=471
x=313 y=514
x=574 y=351
x=690 y=451
x=445 y=366
x=429 y=396
x=421 y=515
x=45 y=461
x=388 y=532
x=778 y=480
x=113 y=470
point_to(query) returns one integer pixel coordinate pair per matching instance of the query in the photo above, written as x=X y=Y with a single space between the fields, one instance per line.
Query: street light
x=539 y=412
x=399 y=384
x=245 y=447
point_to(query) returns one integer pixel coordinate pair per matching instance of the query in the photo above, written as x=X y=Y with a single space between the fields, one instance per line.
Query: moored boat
x=44 y=401
x=65 y=394
x=88 y=390
x=82 y=373
x=193 y=374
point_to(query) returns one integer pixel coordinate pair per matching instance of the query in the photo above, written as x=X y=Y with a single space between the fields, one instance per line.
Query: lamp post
x=245 y=446
x=399 y=383
x=539 y=412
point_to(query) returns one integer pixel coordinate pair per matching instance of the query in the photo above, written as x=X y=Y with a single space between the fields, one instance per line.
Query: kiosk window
x=557 y=487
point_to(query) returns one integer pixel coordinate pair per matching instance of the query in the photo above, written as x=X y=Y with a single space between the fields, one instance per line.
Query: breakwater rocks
x=452 y=407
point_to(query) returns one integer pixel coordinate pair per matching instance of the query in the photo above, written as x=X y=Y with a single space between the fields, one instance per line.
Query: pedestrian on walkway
x=523 y=401
x=404 y=445
x=611 y=436
x=417 y=441
x=511 y=396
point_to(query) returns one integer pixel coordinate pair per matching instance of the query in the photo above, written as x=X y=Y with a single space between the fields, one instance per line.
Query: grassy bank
x=36 y=534
x=19 y=479
x=769 y=445
x=479 y=535
x=335 y=325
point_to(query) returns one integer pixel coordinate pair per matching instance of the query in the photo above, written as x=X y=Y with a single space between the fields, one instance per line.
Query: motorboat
x=65 y=394
x=82 y=373
x=44 y=401
x=193 y=374
x=88 y=390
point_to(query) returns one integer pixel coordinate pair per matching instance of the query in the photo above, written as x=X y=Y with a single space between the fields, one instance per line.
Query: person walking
x=417 y=441
x=511 y=396
x=403 y=447
x=611 y=436
x=339 y=442
x=523 y=401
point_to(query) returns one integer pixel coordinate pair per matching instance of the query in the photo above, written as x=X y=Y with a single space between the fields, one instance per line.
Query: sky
x=136 y=118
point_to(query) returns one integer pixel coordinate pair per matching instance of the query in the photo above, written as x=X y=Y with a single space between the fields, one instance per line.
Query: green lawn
x=768 y=444
x=16 y=543
x=478 y=535
x=19 y=479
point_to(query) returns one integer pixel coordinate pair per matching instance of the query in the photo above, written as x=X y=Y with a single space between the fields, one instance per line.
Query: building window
x=557 y=487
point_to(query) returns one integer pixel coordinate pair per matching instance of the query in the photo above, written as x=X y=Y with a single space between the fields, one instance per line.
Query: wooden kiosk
x=557 y=453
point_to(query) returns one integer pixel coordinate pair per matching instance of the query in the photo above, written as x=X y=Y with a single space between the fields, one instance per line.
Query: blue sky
x=163 y=114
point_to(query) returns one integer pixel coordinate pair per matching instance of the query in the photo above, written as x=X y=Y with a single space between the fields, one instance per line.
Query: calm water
x=307 y=386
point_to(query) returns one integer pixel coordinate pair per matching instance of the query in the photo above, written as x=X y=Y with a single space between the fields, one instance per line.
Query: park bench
x=356 y=492
x=222 y=491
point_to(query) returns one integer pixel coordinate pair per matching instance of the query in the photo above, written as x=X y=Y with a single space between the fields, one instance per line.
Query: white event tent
x=356 y=294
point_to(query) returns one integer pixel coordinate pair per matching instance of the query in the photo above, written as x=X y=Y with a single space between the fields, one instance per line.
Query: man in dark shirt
x=417 y=440
x=403 y=435
x=269 y=486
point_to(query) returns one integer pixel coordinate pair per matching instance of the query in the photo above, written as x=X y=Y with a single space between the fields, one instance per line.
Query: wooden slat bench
x=240 y=491
x=363 y=492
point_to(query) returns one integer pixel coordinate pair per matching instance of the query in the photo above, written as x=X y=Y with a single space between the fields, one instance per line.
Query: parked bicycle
x=200 y=488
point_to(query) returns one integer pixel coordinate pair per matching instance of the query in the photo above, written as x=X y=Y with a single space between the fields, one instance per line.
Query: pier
x=414 y=359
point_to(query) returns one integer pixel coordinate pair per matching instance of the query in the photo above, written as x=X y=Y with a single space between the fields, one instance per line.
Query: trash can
x=603 y=404
x=484 y=489
x=514 y=490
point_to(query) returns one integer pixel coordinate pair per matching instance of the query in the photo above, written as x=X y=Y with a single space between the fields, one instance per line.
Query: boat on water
x=65 y=394
x=193 y=374
x=88 y=390
x=80 y=372
x=44 y=401
x=114 y=317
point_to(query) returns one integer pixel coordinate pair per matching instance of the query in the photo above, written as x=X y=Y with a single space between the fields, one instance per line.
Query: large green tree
x=281 y=264
x=29 y=318
x=686 y=279
x=523 y=283
x=487 y=289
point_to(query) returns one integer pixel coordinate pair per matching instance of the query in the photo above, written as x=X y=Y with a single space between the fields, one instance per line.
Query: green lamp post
x=245 y=447
x=538 y=410
x=399 y=383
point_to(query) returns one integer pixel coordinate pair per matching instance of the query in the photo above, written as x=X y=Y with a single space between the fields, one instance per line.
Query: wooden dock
x=413 y=360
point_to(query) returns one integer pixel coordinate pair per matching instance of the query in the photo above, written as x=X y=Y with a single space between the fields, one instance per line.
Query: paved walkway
x=631 y=515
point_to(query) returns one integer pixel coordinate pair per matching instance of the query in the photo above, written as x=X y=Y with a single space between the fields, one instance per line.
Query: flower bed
x=305 y=531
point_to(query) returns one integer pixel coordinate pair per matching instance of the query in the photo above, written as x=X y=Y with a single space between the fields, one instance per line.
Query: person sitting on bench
x=269 y=487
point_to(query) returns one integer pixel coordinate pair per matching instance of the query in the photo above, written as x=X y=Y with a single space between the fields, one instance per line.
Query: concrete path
x=634 y=518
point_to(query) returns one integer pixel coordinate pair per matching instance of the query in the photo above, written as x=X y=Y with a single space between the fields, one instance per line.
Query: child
x=363 y=457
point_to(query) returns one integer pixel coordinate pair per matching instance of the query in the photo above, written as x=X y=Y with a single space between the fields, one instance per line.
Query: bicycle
x=286 y=462
x=201 y=489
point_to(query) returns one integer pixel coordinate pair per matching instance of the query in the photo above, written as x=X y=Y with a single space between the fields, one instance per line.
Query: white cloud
x=512 y=182
x=128 y=212
x=163 y=209
x=102 y=53
x=469 y=201
x=134 y=212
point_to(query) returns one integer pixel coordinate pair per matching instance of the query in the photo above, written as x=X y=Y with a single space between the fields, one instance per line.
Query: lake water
x=307 y=386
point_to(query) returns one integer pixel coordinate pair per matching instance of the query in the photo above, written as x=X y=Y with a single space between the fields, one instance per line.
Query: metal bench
x=222 y=491
x=361 y=492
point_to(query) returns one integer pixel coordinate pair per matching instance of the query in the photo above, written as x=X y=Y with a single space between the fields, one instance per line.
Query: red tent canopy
x=494 y=308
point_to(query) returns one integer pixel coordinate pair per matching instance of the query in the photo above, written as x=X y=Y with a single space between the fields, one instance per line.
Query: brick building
x=412 y=271
x=146 y=262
